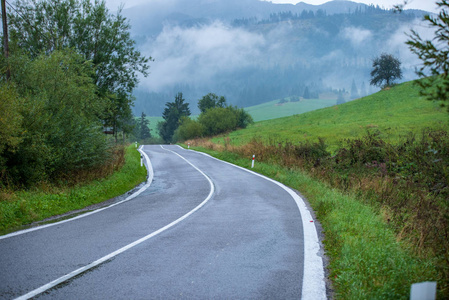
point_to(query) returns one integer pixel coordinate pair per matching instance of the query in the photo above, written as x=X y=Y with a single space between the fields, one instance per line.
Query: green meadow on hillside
x=393 y=112
x=153 y=125
x=274 y=110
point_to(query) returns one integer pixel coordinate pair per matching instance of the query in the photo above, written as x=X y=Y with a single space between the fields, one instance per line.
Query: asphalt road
x=203 y=229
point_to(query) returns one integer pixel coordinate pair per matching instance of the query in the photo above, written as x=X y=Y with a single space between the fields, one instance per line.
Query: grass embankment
x=24 y=207
x=393 y=112
x=381 y=197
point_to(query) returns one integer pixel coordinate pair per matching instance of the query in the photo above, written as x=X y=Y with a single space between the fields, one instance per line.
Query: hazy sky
x=428 y=5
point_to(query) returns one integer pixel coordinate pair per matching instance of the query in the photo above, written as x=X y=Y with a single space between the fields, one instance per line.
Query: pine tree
x=144 y=131
x=354 y=91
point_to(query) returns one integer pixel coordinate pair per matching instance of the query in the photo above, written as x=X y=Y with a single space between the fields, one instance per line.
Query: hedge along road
x=202 y=229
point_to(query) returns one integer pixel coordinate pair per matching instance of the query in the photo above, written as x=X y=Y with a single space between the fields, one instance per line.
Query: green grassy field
x=274 y=110
x=153 y=125
x=394 y=112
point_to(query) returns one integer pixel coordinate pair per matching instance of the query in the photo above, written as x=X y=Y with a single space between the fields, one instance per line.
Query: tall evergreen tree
x=172 y=114
x=354 y=91
x=363 y=91
x=143 y=127
x=307 y=93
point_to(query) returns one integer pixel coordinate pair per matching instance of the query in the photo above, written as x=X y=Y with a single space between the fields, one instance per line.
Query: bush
x=218 y=120
x=188 y=129
x=223 y=119
x=60 y=128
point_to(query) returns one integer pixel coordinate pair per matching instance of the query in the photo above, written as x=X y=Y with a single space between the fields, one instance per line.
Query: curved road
x=203 y=229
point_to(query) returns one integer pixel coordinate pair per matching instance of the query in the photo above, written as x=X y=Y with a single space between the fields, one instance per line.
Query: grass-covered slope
x=394 y=112
x=274 y=109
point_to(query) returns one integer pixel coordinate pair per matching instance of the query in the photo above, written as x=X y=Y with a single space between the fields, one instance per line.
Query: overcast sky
x=428 y=5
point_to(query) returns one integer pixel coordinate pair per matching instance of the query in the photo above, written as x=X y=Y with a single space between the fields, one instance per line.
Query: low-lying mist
x=251 y=61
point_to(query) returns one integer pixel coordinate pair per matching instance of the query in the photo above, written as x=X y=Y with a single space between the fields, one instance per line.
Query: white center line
x=75 y=273
x=314 y=284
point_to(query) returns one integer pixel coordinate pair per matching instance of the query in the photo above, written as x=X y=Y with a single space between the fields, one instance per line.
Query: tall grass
x=121 y=174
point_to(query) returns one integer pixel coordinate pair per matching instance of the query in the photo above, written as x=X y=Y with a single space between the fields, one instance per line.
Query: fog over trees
x=253 y=52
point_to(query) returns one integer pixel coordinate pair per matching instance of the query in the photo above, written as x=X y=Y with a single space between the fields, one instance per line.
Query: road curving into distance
x=201 y=228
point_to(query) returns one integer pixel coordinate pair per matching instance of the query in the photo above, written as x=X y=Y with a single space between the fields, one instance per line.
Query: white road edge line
x=142 y=189
x=314 y=284
x=75 y=273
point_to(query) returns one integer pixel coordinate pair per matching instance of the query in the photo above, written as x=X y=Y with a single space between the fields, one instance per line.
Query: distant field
x=273 y=110
x=153 y=125
x=394 y=112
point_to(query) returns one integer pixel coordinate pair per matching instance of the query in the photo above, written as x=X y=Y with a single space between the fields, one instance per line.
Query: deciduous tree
x=211 y=100
x=103 y=38
x=386 y=69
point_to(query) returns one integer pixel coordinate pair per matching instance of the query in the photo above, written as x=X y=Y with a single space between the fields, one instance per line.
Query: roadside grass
x=19 y=208
x=366 y=259
x=393 y=112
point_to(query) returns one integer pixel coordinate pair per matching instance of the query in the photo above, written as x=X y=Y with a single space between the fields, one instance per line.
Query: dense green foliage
x=434 y=55
x=10 y=119
x=102 y=39
x=73 y=68
x=188 y=129
x=211 y=101
x=58 y=128
x=386 y=69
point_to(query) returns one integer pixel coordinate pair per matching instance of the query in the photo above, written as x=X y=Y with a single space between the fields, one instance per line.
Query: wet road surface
x=233 y=235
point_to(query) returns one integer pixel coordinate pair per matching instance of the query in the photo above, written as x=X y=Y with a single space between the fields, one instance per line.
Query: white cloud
x=194 y=55
x=357 y=36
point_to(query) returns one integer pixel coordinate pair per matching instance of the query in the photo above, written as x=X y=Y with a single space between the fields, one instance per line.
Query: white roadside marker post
x=252 y=164
x=188 y=146
x=136 y=144
x=423 y=291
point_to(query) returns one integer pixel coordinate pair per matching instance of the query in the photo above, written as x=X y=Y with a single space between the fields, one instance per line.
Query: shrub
x=218 y=120
x=188 y=129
